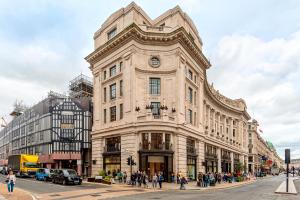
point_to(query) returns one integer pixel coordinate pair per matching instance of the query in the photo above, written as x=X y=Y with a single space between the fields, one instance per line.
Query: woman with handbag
x=11 y=181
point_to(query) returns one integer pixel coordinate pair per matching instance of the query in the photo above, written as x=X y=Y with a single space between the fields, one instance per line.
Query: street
x=263 y=189
x=41 y=187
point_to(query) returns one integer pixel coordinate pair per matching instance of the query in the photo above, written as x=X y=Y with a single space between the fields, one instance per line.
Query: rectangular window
x=195 y=98
x=168 y=141
x=104 y=94
x=190 y=97
x=112 y=91
x=190 y=116
x=233 y=133
x=104 y=116
x=112 y=33
x=121 y=87
x=121 y=111
x=113 y=71
x=121 y=66
x=104 y=75
x=155 y=108
x=154 y=86
x=190 y=75
x=113 y=113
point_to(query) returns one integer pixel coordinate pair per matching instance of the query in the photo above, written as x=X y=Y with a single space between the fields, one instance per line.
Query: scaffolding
x=81 y=86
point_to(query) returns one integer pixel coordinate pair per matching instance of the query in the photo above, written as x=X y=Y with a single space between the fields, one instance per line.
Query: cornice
x=238 y=105
x=155 y=71
x=133 y=32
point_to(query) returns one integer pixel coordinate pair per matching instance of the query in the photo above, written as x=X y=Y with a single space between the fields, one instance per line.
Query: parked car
x=66 y=177
x=43 y=174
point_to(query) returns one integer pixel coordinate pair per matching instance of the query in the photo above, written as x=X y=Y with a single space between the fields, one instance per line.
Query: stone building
x=262 y=154
x=152 y=99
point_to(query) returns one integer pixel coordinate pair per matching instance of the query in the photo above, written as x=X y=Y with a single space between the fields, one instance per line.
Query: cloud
x=266 y=74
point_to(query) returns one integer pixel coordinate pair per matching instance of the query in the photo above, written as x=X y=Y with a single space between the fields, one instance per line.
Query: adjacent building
x=152 y=99
x=262 y=154
x=57 y=129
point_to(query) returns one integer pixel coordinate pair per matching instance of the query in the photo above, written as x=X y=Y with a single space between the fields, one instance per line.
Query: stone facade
x=262 y=154
x=152 y=100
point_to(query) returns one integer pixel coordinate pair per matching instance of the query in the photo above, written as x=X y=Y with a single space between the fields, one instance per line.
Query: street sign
x=287 y=156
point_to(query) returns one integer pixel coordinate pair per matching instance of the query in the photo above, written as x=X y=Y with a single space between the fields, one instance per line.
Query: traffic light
x=128 y=161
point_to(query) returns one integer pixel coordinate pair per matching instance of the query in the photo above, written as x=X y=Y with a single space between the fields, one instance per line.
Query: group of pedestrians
x=141 y=179
x=210 y=178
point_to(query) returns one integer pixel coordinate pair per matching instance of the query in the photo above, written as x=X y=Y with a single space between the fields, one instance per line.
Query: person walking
x=183 y=181
x=154 y=181
x=11 y=181
x=160 y=180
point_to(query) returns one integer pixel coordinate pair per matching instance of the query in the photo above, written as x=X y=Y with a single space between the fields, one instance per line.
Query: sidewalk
x=18 y=194
x=193 y=185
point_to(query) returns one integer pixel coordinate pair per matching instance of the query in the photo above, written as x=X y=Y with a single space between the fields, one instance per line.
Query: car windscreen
x=31 y=165
x=70 y=172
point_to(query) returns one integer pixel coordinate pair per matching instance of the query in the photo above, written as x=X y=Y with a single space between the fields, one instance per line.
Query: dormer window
x=112 y=33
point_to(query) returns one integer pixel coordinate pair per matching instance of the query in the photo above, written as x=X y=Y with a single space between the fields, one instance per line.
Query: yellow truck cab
x=23 y=164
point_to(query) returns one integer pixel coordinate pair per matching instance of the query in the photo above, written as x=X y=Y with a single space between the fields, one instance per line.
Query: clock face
x=154 y=61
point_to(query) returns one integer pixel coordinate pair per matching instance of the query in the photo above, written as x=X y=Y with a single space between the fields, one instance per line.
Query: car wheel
x=53 y=180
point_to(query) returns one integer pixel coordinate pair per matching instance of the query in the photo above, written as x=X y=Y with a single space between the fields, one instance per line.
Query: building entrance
x=152 y=163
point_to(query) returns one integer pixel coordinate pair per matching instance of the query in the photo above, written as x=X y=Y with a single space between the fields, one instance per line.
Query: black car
x=66 y=177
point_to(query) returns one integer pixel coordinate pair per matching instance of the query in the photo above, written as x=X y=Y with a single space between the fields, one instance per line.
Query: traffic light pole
x=130 y=166
x=287 y=177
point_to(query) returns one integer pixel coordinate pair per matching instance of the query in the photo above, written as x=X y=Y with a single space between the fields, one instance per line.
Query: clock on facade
x=154 y=61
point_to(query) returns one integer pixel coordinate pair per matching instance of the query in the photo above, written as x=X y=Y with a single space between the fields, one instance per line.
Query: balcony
x=112 y=148
x=211 y=155
x=156 y=147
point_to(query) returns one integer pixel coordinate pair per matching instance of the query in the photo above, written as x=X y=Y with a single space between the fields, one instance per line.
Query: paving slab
x=292 y=189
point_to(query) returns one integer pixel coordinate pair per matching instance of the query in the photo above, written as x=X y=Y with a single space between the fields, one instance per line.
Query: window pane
x=113 y=71
x=112 y=33
x=121 y=111
x=113 y=113
x=155 y=108
x=121 y=87
x=154 y=86
x=113 y=91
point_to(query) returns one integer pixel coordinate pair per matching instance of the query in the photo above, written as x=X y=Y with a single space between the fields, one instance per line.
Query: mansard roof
x=152 y=22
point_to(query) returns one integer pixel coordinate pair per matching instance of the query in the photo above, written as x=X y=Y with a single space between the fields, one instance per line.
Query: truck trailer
x=23 y=165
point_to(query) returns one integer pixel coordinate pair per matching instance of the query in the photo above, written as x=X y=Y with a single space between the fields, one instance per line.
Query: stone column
x=246 y=163
x=182 y=154
x=201 y=156
x=208 y=120
x=129 y=147
x=232 y=162
x=219 y=169
x=214 y=122
x=79 y=167
x=98 y=147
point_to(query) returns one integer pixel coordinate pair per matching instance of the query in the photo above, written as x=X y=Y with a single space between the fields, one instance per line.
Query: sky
x=253 y=46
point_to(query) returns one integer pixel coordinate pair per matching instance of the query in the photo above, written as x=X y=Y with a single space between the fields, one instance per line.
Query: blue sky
x=254 y=47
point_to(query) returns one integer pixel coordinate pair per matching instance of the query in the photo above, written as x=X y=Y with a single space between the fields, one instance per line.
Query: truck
x=23 y=165
x=275 y=171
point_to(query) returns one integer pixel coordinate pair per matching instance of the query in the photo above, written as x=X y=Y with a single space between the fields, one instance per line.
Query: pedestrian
x=160 y=180
x=183 y=181
x=154 y=181
x=125 y=177
x=11 y=181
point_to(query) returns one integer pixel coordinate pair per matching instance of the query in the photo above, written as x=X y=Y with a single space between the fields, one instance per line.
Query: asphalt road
x=263 y=189
x=41 y=187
